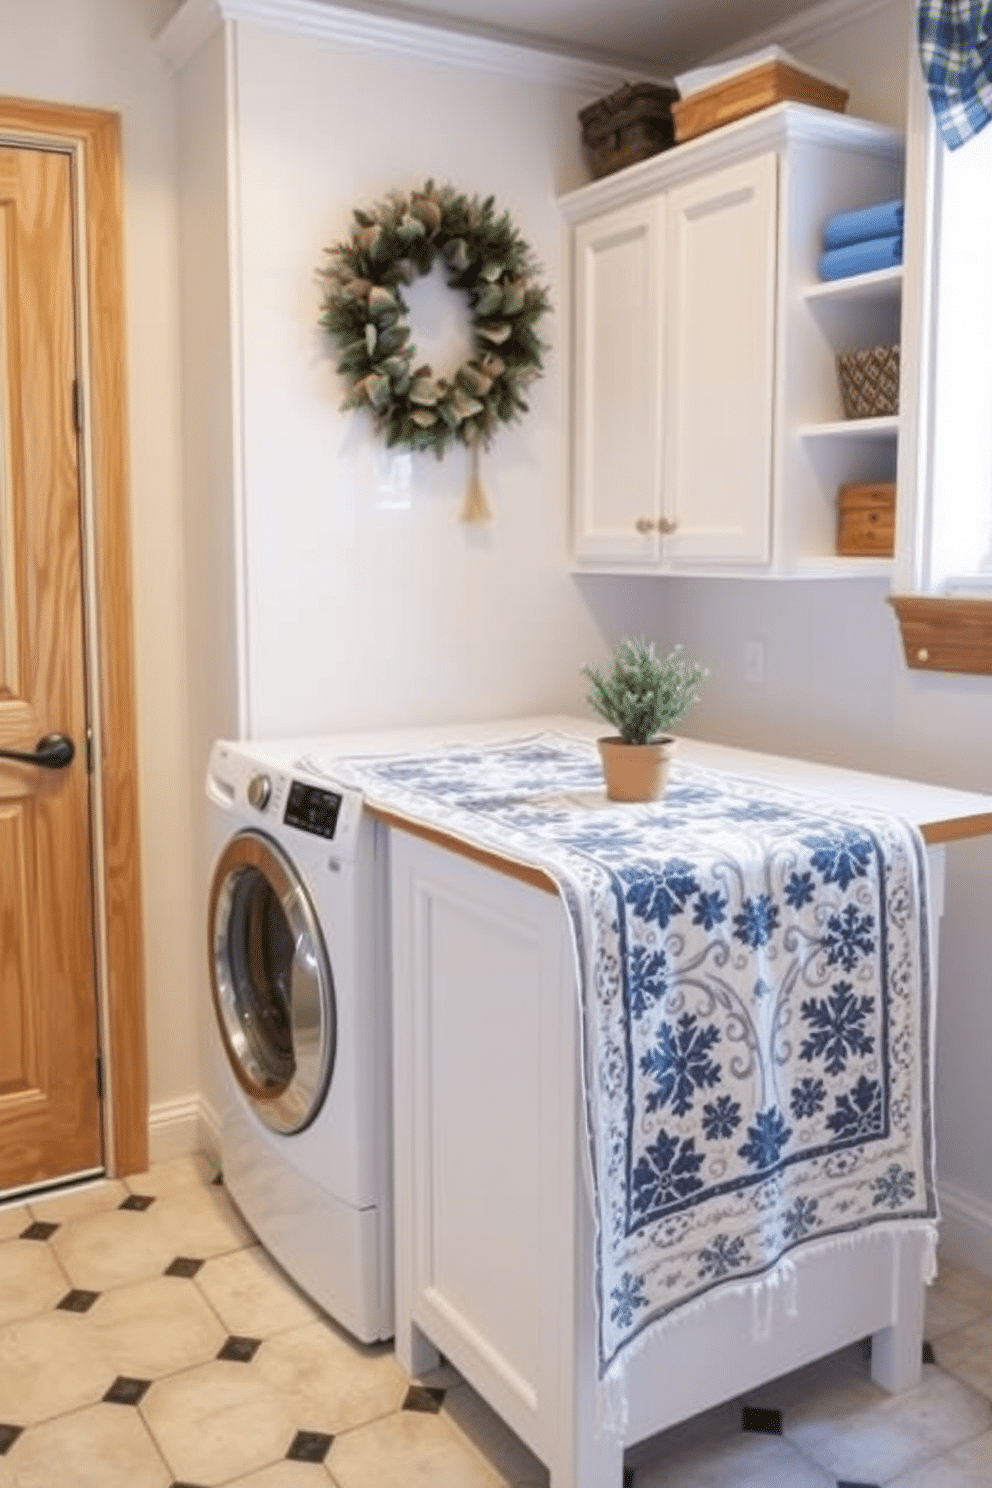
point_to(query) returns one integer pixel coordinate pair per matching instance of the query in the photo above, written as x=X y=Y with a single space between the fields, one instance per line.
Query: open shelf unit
x=828 y=450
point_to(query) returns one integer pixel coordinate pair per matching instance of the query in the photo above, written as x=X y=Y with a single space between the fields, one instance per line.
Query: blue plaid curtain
x=955 y=39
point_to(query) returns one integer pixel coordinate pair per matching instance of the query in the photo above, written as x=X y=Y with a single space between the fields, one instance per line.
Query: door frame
x=92 y=137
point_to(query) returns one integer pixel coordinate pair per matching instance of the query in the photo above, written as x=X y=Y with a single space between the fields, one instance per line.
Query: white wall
x=100 y=53
x=868 y=56
x=363 y=613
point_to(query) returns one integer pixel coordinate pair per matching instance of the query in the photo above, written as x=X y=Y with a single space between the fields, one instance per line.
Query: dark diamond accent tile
x=77 y=1301
x=928 y=1354
x=850 y=1483
x=8 y=1436
x=427 y=1398
x=184 y=1485
x=309 y=1446
x=40 y=1230
x=126 y=1391
x=240 y=1350
x=757 y=1418
x=185 y=1266
x=141 y=1202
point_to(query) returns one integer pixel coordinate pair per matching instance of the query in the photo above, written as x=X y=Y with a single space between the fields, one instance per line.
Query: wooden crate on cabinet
x=745 y=93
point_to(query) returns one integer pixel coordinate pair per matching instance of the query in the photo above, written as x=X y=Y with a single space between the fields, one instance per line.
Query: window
x=944 y=566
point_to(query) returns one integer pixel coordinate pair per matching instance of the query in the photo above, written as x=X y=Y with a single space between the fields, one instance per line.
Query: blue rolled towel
x=883 y=220
x=861 y=258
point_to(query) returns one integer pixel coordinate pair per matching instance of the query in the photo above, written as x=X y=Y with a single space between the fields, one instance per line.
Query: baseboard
x=965 y=1229
x=179 y=1127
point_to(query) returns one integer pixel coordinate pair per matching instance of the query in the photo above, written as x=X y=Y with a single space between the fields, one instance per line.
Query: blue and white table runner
x=753 y=968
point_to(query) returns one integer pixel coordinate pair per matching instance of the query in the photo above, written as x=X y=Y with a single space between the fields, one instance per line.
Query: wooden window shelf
x=945 y=635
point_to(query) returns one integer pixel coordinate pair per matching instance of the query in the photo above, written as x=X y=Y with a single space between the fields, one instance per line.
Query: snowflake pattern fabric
x=755 y=1006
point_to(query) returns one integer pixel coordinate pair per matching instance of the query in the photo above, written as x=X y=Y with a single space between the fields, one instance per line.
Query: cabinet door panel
x=617 y=396
x=721 y=285
x=488 y=1127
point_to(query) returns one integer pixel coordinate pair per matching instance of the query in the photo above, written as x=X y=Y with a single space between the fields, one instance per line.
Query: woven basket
x=628 y=126
x=869 y=381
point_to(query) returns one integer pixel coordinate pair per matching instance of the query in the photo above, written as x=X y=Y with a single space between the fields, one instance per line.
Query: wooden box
x=631 y=124
x=747 y=92
x=866 y=519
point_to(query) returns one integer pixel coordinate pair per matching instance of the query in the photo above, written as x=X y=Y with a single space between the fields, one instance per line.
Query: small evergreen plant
x=643 y=694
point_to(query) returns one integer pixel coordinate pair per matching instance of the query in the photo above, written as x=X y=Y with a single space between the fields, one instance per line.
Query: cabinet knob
x=667 y=524
x=644 y=524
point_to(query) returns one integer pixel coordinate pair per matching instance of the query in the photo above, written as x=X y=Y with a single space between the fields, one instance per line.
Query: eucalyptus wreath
x=364 y=311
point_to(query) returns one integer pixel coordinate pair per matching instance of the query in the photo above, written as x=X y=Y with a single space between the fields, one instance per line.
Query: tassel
x=476 y=508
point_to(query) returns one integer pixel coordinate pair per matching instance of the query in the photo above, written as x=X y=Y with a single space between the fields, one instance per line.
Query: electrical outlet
x=754 y=661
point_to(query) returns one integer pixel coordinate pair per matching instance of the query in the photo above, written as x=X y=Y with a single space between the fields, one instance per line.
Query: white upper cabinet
x=707 y=433
x=618 y=371
x=720 y=365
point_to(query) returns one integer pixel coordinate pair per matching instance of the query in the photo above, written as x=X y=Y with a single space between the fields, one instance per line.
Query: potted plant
x=643 y=695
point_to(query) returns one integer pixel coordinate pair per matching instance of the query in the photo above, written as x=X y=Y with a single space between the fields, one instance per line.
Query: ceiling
x=661 y=37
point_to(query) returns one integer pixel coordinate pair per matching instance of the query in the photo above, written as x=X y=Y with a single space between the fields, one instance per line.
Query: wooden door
x=721 y=284
x=617 y=410
x=50 y=1120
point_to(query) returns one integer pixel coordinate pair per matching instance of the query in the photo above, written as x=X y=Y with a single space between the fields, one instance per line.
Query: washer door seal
x=271 y=981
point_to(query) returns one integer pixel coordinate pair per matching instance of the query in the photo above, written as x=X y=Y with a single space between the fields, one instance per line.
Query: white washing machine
x=298 y=1046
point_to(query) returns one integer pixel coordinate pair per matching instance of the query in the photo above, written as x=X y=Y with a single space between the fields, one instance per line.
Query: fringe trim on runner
x=782 y=1281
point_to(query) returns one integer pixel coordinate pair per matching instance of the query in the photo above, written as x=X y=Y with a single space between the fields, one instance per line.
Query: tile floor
x=146 y=1341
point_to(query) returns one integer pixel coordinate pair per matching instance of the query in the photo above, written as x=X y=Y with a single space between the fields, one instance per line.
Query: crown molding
x=188 y=31
x=811 y=25
x=197 y=20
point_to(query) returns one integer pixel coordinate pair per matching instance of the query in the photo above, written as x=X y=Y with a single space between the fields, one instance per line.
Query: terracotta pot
x=636 y=772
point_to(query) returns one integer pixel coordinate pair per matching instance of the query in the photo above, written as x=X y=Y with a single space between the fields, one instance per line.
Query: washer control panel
x=312 y=809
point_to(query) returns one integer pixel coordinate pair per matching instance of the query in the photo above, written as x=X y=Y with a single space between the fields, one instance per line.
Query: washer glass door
x=271 y=980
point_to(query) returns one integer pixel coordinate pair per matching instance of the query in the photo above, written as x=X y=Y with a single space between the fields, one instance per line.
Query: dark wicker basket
x=869 y=381
x=631 y=124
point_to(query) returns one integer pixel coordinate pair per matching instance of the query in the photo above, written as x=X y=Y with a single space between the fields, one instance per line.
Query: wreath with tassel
x=364 y=312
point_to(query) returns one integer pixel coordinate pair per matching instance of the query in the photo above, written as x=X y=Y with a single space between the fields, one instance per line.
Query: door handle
x=52 y=752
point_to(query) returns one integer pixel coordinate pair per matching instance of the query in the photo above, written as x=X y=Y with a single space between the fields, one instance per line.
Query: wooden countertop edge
x=510 y=866
x=954 y=829
x=957 y=828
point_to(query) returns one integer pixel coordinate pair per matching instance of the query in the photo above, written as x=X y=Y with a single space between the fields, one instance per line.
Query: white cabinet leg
x=414 y=1350
x=897 y=1352
x=597 y=1462
x=586 y=1454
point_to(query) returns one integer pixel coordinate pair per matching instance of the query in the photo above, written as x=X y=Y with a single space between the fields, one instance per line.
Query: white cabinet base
x=494 y=1225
